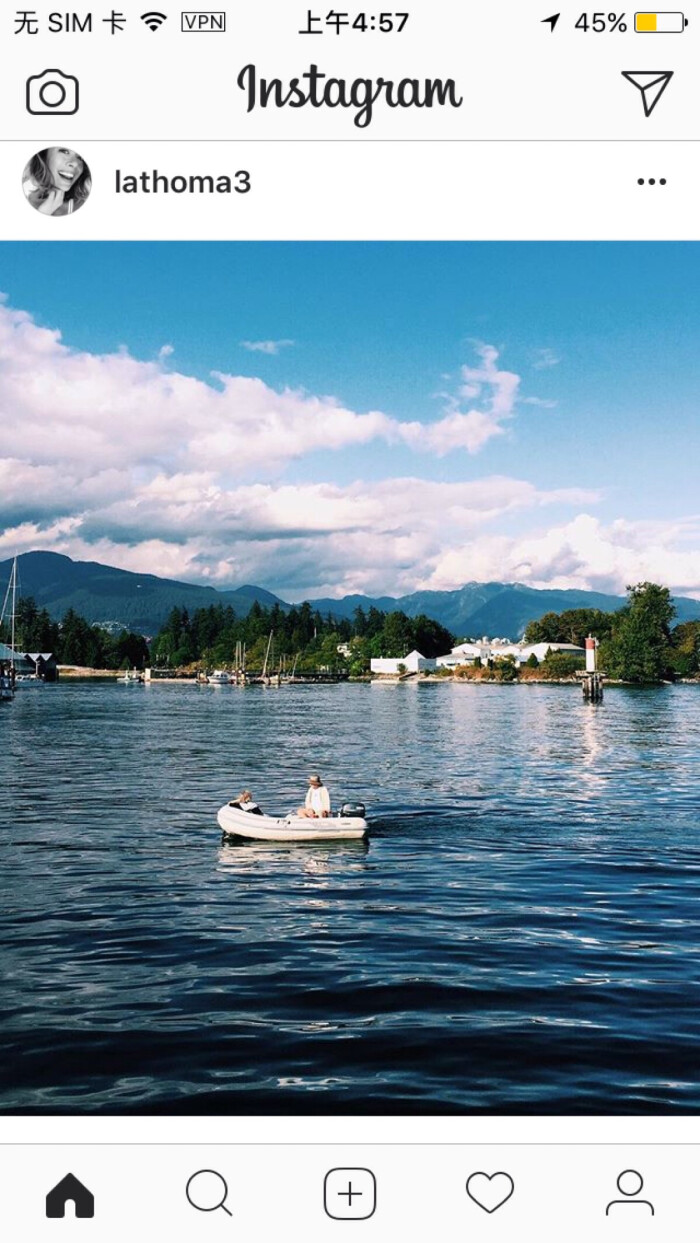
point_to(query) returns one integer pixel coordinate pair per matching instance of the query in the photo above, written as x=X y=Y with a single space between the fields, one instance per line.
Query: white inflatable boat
x=237 y=823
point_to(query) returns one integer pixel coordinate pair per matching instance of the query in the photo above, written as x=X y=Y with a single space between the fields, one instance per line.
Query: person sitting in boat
x=318 y=800
x=245 y=802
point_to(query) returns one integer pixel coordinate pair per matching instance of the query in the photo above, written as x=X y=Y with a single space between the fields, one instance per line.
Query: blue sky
x=510 y=410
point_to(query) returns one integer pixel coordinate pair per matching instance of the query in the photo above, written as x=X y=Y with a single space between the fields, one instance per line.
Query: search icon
x=206 y=1190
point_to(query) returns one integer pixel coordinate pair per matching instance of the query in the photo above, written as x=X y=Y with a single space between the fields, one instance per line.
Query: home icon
x=70 y=1188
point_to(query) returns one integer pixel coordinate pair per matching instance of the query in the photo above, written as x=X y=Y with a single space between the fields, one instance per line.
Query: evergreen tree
x=396 y=638
x=685 y=649
x=430 y=638
x=640 y=648
x=34 y=629
x=375 y=622
x=359 y=622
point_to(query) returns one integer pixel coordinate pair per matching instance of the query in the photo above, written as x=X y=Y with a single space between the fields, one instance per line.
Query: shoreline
x=430 y=679
x=81 y=673
x=77 y=673
x=84 y=671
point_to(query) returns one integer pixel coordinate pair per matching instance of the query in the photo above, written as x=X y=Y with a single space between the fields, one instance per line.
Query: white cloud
x=471 y=429
x=196 y=505
x=266 y=347
x=541 y=402
x=544 y=359
x=582 y=553
x=314 y=537
x=84 y=411
x=35 y=490
x=118 y=460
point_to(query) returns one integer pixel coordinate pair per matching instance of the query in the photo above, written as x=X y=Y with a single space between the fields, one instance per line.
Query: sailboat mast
x=14 y=608
x=267 y=653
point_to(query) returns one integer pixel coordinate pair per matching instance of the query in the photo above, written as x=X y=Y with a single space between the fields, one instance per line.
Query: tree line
x=73 y=640
x=638 y=643
x=302 y=638
x=209 y=637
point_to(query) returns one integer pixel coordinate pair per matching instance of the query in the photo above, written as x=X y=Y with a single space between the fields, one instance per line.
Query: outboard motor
x=353 y=809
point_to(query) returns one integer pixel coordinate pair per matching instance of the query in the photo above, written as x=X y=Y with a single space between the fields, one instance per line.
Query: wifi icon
x=154 y=20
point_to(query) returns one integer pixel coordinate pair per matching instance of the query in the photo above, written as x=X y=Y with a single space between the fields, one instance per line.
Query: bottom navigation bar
x=302 y=1191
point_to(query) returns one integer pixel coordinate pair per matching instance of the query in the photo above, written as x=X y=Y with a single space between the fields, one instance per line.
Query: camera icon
x=52 y=93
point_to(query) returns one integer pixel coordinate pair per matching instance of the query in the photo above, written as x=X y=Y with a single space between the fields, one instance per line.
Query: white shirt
x=318 y=799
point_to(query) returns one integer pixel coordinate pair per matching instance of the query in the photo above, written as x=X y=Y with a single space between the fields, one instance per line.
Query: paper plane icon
x=651 y=84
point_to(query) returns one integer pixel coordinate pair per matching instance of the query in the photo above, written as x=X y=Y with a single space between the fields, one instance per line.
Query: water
x=521 y=934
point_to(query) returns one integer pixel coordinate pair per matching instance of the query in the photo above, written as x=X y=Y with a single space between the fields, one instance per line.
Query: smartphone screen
x=350 y=632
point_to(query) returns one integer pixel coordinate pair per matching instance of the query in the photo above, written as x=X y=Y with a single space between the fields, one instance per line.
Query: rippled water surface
x=521 y=933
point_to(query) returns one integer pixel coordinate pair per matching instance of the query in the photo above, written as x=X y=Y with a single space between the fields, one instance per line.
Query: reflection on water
x=520 y=933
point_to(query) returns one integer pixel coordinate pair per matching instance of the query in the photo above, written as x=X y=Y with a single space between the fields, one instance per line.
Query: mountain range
x=104 y=594
x=142 y=602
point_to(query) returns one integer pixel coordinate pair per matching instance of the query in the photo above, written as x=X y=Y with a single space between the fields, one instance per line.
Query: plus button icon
x=350 y=1194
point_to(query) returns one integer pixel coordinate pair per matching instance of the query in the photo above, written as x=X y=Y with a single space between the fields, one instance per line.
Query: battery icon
x=660 y=23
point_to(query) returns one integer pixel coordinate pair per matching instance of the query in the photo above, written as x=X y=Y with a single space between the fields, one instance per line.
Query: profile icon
x=57 y=181
x=630 y=1184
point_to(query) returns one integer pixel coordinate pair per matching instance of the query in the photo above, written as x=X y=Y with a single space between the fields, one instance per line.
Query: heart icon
x=490 y=1191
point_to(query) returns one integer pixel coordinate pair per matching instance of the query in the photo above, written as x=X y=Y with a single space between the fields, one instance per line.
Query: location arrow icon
x=552 y=21
x=651 y=84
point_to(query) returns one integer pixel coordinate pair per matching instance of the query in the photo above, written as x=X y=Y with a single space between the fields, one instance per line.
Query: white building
x=495 y=649
x=413 y=663
x=465 y=654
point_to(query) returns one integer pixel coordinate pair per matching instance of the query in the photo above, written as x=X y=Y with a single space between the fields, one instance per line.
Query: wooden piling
x=592 y=687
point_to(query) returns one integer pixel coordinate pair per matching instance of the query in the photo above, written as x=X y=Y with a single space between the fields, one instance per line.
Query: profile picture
x=56 y=181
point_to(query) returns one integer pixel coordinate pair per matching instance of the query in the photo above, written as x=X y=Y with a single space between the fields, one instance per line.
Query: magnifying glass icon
x=207 y=1190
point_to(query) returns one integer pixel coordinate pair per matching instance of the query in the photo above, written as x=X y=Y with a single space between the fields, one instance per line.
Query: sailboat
x=132 y=677
x=8 y=676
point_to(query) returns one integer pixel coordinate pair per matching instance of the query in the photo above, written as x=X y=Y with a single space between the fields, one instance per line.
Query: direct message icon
x=490 y=1191
x=651 y=85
